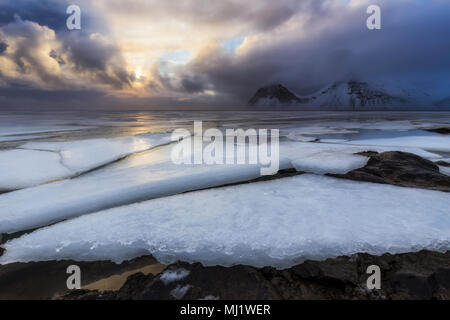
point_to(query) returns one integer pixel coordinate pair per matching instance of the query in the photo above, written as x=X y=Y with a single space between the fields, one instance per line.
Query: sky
x=140 y=53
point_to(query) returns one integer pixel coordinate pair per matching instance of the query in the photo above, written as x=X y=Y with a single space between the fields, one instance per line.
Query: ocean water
x=62 y=126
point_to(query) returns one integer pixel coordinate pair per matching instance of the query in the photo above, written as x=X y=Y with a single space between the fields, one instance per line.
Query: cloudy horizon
x=217 y=53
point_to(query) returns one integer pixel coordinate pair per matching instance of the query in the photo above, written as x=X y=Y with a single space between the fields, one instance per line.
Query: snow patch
x=172 y=275
x=180 y=291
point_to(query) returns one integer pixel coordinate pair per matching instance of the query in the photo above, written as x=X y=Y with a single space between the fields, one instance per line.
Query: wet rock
x=83 y=294
x=440 y=130
x=47 y=279
x=401 y=169
x=443 y=163
x=441 y=280
x=199 y=283
x=408 y=285
x=419 y=275
x=340 y=270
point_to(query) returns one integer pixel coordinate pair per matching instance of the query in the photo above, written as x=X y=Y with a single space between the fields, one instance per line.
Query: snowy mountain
x=275 y=95
x=342 y=95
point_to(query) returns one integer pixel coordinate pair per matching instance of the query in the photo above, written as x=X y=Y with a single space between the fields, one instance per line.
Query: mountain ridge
x=348 y=95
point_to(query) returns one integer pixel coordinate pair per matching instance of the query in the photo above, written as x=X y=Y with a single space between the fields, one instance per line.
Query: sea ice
x=433 y=143
x=22 y=137
x=83 y=155
x=329 y=162
x=40 y=162
x=137 y=178
x=279 y=222
x=22 y=168
x=444 y=170
x=291 y=133
x=7 y=130
x=152 y=175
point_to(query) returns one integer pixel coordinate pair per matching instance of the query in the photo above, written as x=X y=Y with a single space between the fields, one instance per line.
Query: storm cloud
x=218 y=53
x=409 y=48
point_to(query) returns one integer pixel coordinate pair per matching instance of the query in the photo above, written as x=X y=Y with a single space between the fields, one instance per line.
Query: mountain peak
x=274 y=94
x=348 y=95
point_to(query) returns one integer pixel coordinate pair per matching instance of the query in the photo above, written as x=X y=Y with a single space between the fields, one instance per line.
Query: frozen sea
x=102 y=185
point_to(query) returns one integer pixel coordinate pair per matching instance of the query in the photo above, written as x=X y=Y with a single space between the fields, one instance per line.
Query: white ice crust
x=278 y=222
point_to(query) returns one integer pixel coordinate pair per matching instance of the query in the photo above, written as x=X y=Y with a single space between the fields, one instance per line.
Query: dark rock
x=408 y=285
x=275 y=92
x=339 y=270
x=401 y=169
x=90 y=295
x=440 y=130
x=1 y=251
x=47 y=279
x=443 y=163
x=202 y=282
x=441 y=280
x=419 y=275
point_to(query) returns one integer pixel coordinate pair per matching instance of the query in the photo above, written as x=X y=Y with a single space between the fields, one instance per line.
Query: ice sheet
x=444 y=170
x=433 y=143
x=31 y=129
x=40 y=162
x=314 y=130
x=134 y=179
x=22 y=168
x=22 y=137
x=83 y=155
x=329 y=162
x=149 y=176
x=278 y=222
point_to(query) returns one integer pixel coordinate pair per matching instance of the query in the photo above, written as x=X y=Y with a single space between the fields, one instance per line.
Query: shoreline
x=413 y=275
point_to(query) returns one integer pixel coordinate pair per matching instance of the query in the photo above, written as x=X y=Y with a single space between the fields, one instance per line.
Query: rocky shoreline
x=416 y=275
x=400 y=169
x=420 y=275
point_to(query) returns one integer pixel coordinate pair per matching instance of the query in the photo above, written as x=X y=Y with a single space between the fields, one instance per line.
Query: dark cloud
x=50 y=13
x=3 y=47
x=95 y=55
x=304 y=44
x=193 y=84
x=89 y=56
x=411 y=47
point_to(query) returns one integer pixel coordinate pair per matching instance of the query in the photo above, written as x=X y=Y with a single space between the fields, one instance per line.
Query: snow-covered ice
x=437 y=143
x=329 y=162
x=291 y=133
x=278 y=222
x=444 y=170
x=154 y=175
x=83 y=155
x=22 y=168
x=23 y=137
x=7 y=130
x=40 y=162
x=137 y=178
